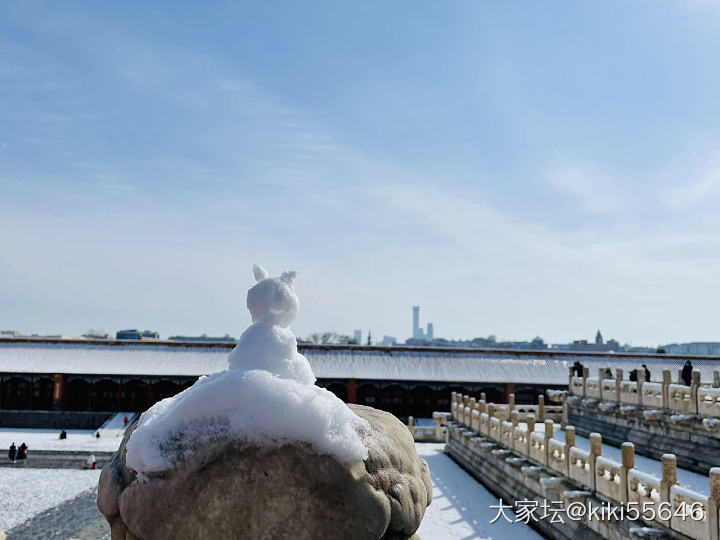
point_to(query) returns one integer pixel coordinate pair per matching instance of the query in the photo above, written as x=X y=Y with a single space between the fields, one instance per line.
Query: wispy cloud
x=593 y=192
x=701 y=190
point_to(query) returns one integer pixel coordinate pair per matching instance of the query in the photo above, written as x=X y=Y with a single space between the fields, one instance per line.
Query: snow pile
x=266 y=396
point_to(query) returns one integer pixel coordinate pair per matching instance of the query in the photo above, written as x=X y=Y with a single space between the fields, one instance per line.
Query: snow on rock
x=266 y=396
x=24 y=493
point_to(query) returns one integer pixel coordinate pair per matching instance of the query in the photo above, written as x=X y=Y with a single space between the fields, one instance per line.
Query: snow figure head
x=273 y=299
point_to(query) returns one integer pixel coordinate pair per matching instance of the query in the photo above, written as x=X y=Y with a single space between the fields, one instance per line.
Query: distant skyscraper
x=417 y=331
x=357 y=336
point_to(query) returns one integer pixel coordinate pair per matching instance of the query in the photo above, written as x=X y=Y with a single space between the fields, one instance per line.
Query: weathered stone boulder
x=232 y=491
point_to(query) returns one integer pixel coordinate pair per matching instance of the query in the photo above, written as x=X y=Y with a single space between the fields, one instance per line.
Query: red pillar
x=90 y=391
x=57 y=391
x=509 y=389
x=31 y=390
x=352 y=391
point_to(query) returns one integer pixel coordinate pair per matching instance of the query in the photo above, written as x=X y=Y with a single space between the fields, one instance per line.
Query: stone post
x=628 y=462
x=618 y=383
x=482 y=396
x=640 y=381
x=569 y=443
x=570 y=378
x=716 y=379
x=491 y=409
x=482 y=406
x=549 y=429
x=411 y=423
x=714 y=489
x=694 y=385
x=666 y=381
x=541 y=408
x=585 y=375
x=601 y=376
x=530 y=424
x=514 y=420
x=511 y=402
x=438 y=427
x=453 y=405
x=669 y=476
x=595 y=451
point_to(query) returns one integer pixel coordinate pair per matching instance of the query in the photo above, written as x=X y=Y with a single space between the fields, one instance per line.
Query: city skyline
x=538 y=170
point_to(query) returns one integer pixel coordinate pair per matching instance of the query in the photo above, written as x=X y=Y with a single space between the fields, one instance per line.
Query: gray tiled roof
x=330 y=362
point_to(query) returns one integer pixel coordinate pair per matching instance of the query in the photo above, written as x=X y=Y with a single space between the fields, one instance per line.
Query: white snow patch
x=49 y=439
x=461 y=505
x=256 y=407
x=24 y=493
x=266 y=396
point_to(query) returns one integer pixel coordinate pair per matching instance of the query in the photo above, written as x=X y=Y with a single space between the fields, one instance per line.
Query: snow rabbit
x=269 y=344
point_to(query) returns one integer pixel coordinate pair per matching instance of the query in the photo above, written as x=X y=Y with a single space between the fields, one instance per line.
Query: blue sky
x=515 y=168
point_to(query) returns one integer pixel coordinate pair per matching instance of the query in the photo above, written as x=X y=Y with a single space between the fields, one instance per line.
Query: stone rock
x=228 y=490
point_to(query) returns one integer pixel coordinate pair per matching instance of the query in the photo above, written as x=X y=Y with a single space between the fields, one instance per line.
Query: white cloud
x=594 y=192
x=702 y=190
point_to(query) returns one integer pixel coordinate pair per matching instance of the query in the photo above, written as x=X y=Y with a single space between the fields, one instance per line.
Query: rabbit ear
x=260 y=272
x=288 y=277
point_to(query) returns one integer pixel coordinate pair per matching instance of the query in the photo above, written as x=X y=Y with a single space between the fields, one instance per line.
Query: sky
x=515 y=168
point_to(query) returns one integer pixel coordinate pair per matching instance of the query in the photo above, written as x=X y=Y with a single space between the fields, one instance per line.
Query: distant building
x=136 y=334
x=696 y=347
x=96 y=334
x=357 y=336
x=388 y=341
x=600 y=345
x=418 y=335
x=227 y=338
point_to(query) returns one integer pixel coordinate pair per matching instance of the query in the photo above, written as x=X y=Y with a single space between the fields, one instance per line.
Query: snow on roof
x=330 y=362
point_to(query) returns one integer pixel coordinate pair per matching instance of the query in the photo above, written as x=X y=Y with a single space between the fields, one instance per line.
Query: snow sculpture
x=269 y=344
x=266 y=396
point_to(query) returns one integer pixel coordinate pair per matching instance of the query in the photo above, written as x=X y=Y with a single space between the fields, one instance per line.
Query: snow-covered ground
x=115 y=426
x=461 y=505
x=47 y=439
x=25 y=493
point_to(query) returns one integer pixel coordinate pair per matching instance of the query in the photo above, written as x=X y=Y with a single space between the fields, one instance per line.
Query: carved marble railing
x=697 y=398
x=617 y=481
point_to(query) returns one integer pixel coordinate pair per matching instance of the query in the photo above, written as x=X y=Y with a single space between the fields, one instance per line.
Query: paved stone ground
x=78 y=518
x=58 y=459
